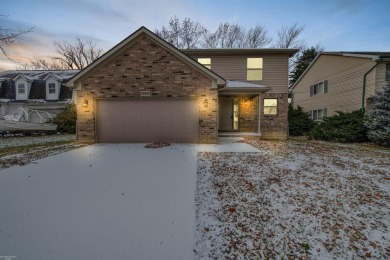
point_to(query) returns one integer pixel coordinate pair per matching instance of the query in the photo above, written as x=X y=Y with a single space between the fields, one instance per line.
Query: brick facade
x=275 y=127
x=143 y=65
x=249 y=114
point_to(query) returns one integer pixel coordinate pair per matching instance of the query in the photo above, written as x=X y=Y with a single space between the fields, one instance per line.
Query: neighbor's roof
x=375 y=56
x=141 y=30
x=241 y=51
x=62 y=75
x=37 y=78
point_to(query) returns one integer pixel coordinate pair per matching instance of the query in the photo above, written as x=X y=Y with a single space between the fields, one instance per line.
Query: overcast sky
x=338 y=25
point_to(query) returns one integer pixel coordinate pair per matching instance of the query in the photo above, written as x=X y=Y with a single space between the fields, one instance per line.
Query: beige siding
x=275 y=69
x=345 y=84
x=380 y=79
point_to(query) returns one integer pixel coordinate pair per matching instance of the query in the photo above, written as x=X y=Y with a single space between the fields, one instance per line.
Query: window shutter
x=311 y=90
x=325 y=86
x=325 y=112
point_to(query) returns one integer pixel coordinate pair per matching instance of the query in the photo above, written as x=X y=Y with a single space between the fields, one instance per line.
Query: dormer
x=22 y=86
x=53 y=86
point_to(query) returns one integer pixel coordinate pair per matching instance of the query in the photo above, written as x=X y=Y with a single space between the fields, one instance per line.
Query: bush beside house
x=66 y=119
x=299 y=122
x=378 y=125
x=342 y=127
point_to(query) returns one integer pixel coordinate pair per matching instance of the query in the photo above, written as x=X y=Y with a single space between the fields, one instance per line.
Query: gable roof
x=375 y=56
x=144 y=30
x=240 y=51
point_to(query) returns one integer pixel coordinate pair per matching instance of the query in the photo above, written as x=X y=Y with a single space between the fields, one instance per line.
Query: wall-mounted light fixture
x=84 y=103
x=205 y=102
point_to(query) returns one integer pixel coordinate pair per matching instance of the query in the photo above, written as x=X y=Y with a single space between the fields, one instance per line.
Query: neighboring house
x=334 y=81
x=146 y=90
x=35 y=90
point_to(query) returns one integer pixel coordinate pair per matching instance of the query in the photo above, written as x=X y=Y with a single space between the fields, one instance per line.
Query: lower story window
x=270 y=106
x=318 y=114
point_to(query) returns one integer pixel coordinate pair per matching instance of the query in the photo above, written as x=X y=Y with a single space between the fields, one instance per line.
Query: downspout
x=364 y=85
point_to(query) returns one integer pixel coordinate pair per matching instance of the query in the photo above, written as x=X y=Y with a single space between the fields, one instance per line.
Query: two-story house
x=341 y=81
x=146 y=90
x=35 y=90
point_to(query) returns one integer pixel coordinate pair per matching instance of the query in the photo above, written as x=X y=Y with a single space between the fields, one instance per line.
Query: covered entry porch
x=239 y=109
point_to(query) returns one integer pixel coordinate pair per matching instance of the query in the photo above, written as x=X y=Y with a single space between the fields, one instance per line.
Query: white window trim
x=255 y=69
x=270 y=106
x=207 y=65
x=24 y=88
x=55 y=88
x=315 y=112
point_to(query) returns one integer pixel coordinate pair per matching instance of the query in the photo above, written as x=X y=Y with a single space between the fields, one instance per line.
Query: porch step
x=236 y=134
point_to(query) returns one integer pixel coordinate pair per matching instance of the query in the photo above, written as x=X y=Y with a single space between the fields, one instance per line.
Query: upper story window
x=270 y=106
x=387 y=71
x=254 y=69
x=205 y=62
x=52 y=88
x=21 y=88
x=319 y=88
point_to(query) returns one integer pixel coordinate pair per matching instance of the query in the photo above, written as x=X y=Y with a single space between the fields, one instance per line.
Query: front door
x=226 y=114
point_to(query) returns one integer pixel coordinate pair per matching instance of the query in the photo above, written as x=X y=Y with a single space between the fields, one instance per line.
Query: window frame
x=21 y=86
x=207 y=65
x=387 y=72
x=314 y=114
x=49 y=85
x=251 y=69
x=264 y=107
x=319 y=88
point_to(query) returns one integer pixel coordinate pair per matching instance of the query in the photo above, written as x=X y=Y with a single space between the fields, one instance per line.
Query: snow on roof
x=240 y=84
x=39 y=74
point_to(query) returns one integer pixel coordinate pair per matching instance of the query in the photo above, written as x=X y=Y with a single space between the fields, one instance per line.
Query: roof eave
x=71 y=82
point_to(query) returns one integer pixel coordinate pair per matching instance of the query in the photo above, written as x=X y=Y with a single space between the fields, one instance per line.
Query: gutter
x=378 y=61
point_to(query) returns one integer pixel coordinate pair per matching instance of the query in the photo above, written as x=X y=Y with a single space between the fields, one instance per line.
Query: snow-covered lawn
x=27 y=149
x=294 y=199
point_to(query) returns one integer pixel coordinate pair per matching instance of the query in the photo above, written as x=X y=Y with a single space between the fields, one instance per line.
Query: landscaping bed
x=295 y=199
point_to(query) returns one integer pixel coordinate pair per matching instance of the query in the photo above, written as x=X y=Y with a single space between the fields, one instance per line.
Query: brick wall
x=249 y=111
x=275 y=127
x=145 y=65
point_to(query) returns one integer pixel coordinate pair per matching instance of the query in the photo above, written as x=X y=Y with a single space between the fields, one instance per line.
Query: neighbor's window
x=254 y=69
x=318 y=114
x=21 y=88
x=205 y=62
x=319 y=88
x=388 y=71
x=270 y=106
x=52 y=88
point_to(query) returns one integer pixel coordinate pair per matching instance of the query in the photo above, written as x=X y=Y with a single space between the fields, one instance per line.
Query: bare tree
x=288 y=37
x=9 y=37
x=76 y=56
x=37 y=63
x=68 y=56
x=185 y=34
x=257 y=37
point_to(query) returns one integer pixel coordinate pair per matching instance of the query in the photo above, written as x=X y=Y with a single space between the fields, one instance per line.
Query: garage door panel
x=144 y=121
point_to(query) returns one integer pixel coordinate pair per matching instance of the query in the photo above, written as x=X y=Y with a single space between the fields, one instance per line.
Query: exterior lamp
x=84 y=103
x=206 y=102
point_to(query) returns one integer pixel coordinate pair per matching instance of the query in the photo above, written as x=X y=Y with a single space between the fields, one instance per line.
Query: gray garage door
x=145 y=121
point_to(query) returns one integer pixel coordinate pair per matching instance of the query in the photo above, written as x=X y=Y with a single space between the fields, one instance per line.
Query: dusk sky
x=338 y=25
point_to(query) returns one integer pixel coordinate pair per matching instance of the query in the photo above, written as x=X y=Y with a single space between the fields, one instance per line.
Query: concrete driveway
x=103 y=201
